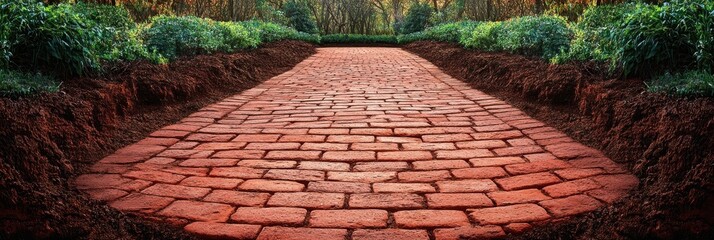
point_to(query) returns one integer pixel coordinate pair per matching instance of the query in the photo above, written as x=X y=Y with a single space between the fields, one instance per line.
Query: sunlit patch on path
x=358 y=143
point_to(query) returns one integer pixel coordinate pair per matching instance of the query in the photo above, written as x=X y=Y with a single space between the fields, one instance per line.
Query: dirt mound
x=667 y=142
x=48 y=139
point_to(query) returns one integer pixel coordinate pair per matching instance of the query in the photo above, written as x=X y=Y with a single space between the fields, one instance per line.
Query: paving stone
x=270 y=215
x=430 y=218
x=223 y=230
x=509 y=214
x=367 y=218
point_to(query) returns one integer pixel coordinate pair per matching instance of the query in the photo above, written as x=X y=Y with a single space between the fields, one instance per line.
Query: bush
x=16 y=84
x=53 y=38
x=412 y=37
x=174 y=36
x=358 y=38
x=543 y=36
x=690 y=83
x=416 y=20
x=271 y=32
x=299 y=17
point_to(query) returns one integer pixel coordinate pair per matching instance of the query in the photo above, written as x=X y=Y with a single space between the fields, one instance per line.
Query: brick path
x=358 y=143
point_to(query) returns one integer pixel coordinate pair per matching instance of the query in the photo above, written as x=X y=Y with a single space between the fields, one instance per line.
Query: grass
x=689 y=83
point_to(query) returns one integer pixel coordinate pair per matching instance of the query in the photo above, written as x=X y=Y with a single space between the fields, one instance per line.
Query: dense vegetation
x=40 y=42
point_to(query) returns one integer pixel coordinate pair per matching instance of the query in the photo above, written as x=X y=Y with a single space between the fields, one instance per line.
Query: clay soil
x=49 y=139
x=668 y=142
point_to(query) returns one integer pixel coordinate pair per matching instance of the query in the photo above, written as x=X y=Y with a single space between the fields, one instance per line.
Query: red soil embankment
x=48 y=139
x=668 y=142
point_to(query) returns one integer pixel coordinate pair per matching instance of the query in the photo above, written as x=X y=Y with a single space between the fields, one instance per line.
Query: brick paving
x=358 y=143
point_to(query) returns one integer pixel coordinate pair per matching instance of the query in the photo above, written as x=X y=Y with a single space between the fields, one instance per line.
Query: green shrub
x=271 y=32
x=16 y=84
x=677 y=34
x=53 y=38
x=448 y=32
x=690 y=83
x=174 y=36
x=417 y=18
x=412 y=37
x=358 y=38
x=544 y=36
x=298 y=15
x=484 y=36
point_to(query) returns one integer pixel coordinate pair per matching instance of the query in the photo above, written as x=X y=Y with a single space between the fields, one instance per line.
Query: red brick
x=386 y=200
x=572 y=205
x=368 y=177
x=431 y=130
x=179 y=153
x=430 y=218
x=257 y=138
x=270 y=216
x=535 y=157
x=211 y=182
x=349 y=156
x=271 y=185
x=497 y=135
x=428 y=146
x=273 y=146
x=527 y=181
x=95 y=181
x=479 y=173
x=403 y=187
x=155 y=176
x=327 y=166
x=158 y=141
x=237 y=172
x=496 y=161
x=348 y=218
x=572 y=150
x=267 y=164
x=380 y=166
x=398 y=139
x=295 y=174
x=303 y=138
x=534 y=167
x=350 y=138
x=200 y=211
x=375 y=146
x=169 y=134
x=389 y=234
x=294 y=155
x=240 y=154
x=519 y=150
x=446 y=137
x=141 y=203
x=404 y=156
x=308 y=200
x=570 y=188
x=208 y=162
x=577 y=173
x=286 y=233
x=329 y=131
x=518 y=196
x=463 y=154
x=623 y=182
x=223 y=230
x=469 y=232
x=482 y=144
x=325 y=146
x=372 y=131
x=220 y=146
x=205 y=137
x=458 y=200
x=424 y=176
x=439 y=164
x=509 y=214
x=105 y=195
x=339 y=187
x=517 y=227
x=250 y=199
x=176 y=191
x=474 y=185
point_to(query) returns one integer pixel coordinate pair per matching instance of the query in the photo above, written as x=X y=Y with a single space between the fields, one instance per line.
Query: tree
x=298 y=15
x=417 y=18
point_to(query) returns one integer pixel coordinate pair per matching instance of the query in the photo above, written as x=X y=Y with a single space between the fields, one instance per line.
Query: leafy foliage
x=54 y=38
x=543 y=36
x=16 y=84
x=271 y=32
x=298 y=16
x=417 y=18
x=690 y=83
x=174 y=36
x=358 y=38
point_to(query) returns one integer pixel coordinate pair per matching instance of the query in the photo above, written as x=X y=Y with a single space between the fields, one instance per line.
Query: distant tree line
x=354 y=16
